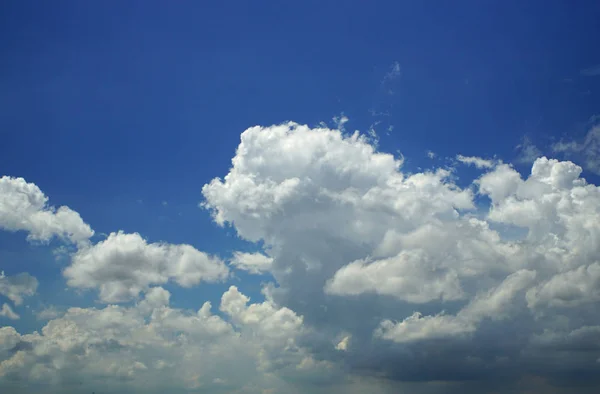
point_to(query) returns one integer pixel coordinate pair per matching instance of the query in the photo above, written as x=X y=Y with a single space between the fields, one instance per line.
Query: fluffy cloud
x=23 y=206
x=408 y=276
x=123 y=265
x=152 y=347
x=16 y=287
x=358 y=246
x=254 y=263
x=494 y=304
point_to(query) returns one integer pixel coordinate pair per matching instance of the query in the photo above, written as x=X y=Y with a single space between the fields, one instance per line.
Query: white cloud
x=494 y=304
x=476 y=161
x=418 y=327
x=153 y=347
x=16 y=287
x=409 y=276
x=23 y=206
x=123 y=265
x=568 y=289
x=254 y=263
x=380 y=276
x=344 y=344
x=587 y=149
x=48 y=313
x=7 y=312
x=358 y=245
x=527 y=151
x=340 y=121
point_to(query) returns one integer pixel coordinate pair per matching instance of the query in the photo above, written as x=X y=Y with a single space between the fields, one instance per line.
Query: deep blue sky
x=113 y=107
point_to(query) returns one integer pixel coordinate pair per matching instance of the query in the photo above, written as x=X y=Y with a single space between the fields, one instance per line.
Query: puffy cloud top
x=123 y=265
x=23 y=206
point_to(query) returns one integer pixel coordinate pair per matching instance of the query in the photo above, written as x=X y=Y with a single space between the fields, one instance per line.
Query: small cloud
x=7 y=312
x=527 y=151
x=476 y=161
x=591 y=71
x=253 y=263
x=164 y=203
x=48 y=313
x=395 y=72
x=343 y=344
x=430 y=154
x=373 y=137
x=376 y=113
x=587 y=149
x=60 y=252
x=340 y=121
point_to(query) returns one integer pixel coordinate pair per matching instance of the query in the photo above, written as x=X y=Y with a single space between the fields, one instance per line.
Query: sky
x=299 y=197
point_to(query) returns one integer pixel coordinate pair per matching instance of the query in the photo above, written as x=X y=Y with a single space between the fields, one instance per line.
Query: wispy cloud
x=476 y=161
x=48 y=313
x=527 y=151
x=587 y=149
x=6 y=311
x=340 y=121
x=394 y=72
x=591 y=71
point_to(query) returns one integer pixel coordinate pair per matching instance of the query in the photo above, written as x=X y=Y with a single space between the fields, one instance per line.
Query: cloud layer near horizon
x=379 y=277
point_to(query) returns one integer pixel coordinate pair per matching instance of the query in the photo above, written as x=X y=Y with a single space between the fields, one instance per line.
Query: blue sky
x=123 y=111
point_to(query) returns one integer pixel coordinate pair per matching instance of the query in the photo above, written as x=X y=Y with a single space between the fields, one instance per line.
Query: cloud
x=7 y=312
x=23 y=207
x=394 y=72
x=152 y=347
x=16 y=287
x=48 y=313
x=587 y=149
x=527 y=151
x=344 y=344
x=408 y=276
x=123 y=265
x=383 y=281
x=399 y=261
x=568 y=289
x=493 y=304
x=254 y=263
x=340 y=121
x=591 y=71
x=476 y=161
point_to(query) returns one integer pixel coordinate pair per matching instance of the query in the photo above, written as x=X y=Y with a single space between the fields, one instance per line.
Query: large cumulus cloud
x=362 y=247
